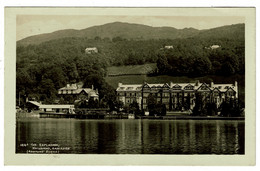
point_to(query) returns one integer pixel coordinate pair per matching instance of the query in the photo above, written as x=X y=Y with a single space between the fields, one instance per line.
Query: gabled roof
x=166 y=85
x=230 y=88
x=129 y=87
x=216 y=89
x=204 y=86
x=179 y=87
x=189 y=87
x=224 y=87
x=35 y=103
x=146 y=85
x=176 y=87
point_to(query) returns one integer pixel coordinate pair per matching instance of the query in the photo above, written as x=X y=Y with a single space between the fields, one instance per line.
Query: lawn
x=131 y=69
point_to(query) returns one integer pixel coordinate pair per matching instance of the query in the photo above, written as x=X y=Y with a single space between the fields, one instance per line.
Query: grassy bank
x=131 y=69
x=24 y=114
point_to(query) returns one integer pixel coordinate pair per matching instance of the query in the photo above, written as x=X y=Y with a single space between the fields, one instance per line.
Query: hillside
x=119 y=51
x=236 y=31
x=116 y=29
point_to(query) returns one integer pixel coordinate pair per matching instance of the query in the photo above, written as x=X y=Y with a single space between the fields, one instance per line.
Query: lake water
x=39 y=135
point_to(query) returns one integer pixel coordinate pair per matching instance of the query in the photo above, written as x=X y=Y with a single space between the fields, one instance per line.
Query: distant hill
x=138 y=32
x=111 y=30
x=236 y=31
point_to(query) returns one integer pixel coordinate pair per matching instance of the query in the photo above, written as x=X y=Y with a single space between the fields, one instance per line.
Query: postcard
x=129 y=86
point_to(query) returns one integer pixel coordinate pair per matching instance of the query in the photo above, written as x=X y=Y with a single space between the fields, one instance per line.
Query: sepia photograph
x=131 y=84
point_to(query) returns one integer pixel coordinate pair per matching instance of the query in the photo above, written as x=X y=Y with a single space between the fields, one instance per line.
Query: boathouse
x=58 y=108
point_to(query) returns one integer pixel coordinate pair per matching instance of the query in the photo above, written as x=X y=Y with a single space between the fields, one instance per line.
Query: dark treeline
x=197 y=61
x=229 y=108
x=41 y=70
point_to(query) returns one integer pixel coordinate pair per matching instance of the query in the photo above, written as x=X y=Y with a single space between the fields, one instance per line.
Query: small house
x=91 y=50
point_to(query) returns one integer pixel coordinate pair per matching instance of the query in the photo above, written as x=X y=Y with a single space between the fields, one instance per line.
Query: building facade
x=176 y=96
x=77 y=92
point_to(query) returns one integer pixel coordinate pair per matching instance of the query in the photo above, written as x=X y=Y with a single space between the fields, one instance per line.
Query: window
x=146 y=94
x=165 y=94
x=165 y=100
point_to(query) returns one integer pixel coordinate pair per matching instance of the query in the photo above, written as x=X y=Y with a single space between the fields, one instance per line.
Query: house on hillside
x=91 y=50
x=213 y=47
x=168 y=47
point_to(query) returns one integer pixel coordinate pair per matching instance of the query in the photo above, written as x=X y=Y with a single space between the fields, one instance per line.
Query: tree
x=211 y=109
x=134 y=108
x=91 y=103
x=151 y=104
x=163 y=112
x=118 y=105
x=199 y=105
x=201 y=66
x=117 y=39
x=48 y=89
x=71 y=72
x=231 y=108
x=162 y=64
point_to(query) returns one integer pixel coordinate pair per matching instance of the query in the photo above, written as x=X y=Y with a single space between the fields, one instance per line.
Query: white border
x=190 y=3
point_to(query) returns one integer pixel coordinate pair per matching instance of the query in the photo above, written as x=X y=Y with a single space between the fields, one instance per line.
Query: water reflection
x=134 y=136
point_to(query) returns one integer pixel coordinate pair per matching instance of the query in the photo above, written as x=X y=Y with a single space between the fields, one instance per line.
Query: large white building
x=176 y=96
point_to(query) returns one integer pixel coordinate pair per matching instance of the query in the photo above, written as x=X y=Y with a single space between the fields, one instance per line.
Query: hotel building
x=176 y=96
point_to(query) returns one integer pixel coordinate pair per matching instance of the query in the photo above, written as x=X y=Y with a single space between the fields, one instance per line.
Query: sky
x=28 y=25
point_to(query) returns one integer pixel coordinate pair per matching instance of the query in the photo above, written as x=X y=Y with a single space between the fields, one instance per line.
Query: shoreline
x=124 y=116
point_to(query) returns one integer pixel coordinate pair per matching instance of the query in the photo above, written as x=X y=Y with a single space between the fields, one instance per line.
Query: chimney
x=197 y=83
x=235 y=84
x=211 y=84
x=92 y=87
x=68 y=85
x=120 y=84
x=171 y=84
